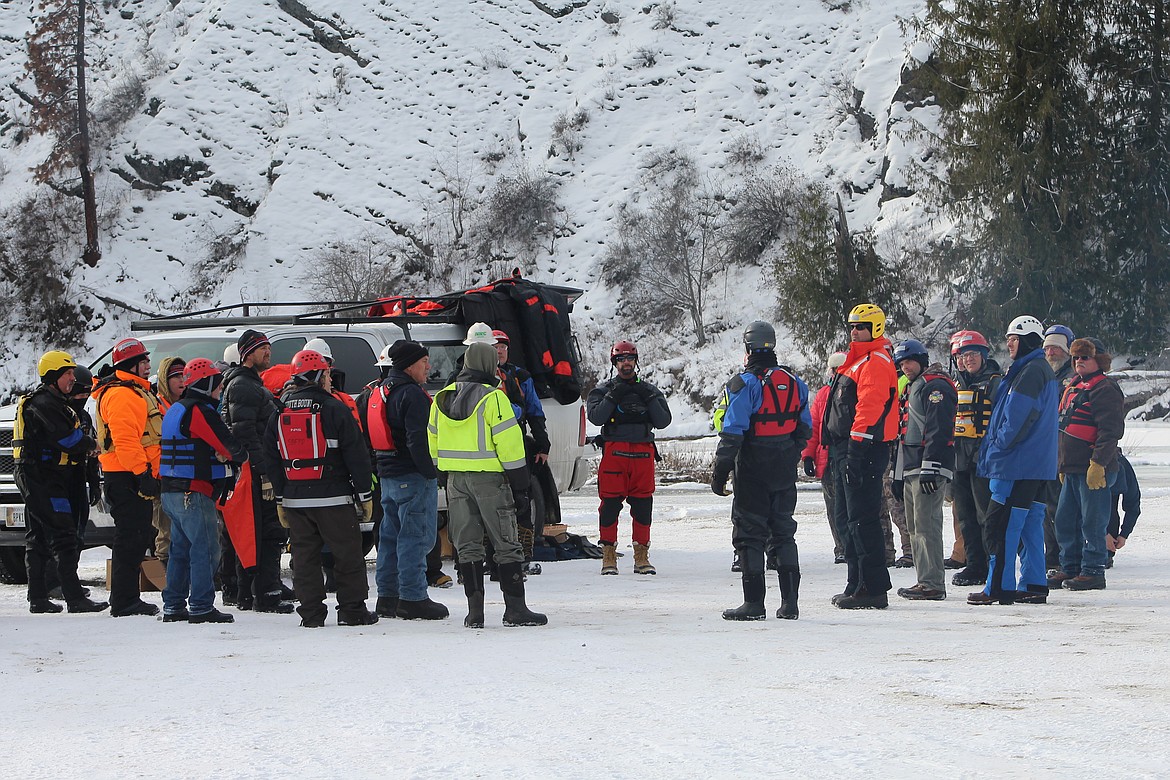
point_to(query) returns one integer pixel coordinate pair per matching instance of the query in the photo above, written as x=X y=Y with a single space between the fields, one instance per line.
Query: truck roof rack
x=313 y=313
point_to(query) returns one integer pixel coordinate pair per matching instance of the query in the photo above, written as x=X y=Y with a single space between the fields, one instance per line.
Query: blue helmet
x=912 y=349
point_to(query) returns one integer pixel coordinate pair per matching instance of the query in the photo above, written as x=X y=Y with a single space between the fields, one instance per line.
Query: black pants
x=311 y=530
x=762 y=507
x=51 y=497
x=972 y=496
x=857 y=512
x=1050 y=495
x=133 y=535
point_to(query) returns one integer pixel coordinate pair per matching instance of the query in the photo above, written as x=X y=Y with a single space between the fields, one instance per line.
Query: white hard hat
x=1025 y=324
x=231 y=355
x=384 y=357
x=320 y=345
x=480 y=333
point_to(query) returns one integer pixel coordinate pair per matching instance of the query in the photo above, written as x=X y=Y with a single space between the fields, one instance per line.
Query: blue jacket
x=744 y=398
x=1022 y=434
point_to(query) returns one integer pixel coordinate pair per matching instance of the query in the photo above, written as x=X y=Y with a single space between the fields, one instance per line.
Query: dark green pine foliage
x=1040 y=101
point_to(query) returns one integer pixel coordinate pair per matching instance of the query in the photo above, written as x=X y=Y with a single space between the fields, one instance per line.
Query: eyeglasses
x=625 y=358
x=859 y=326
x=1084 y=357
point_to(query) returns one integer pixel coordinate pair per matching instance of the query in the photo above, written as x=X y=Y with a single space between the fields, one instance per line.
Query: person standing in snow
x=1017 y=456
x=977 y=376
x=861 y=422
x=764 y=430
x=925 y=463
x=1128 y=493
x=1092 y=422
x=628 y=410
x=1058 y=341
x=815 y=456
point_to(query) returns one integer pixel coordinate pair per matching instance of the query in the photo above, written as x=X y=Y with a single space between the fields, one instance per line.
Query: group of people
x=1010 y=448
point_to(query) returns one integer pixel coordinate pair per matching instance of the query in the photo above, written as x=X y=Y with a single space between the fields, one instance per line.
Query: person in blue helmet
x=765 y=427
x=1018 y=456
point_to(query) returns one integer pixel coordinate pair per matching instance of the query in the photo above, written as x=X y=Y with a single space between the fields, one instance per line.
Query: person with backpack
x=397 y=412
x=628 y=409
x=129 y=425
x=925 y=463
x=764 y=429
x=51 y=446
x=197 y=465
x=320 y=471
x=861 y=423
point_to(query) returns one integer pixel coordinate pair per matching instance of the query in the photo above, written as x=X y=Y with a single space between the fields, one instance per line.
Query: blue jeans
x=194 y=553
x=410 y=512
x=1082 y=516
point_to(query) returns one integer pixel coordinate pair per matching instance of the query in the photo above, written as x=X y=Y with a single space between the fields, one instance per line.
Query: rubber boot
x=516 y=612
x=789 y=588
x=852 y=578
x=642 y=563
x=753 y=600
x=608 y=559
x=472 y=576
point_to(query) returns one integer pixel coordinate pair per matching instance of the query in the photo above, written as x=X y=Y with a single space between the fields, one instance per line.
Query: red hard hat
x=308 y=360
x=968 y=338
x=199 y=368
x=128 y=349
x=622 y=347
x=501 y=337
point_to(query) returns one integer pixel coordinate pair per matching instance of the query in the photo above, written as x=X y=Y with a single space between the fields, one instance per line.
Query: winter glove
x=898 y=490
x=719 y=481
x=267 y=492
x=857 y=462
x=810 y=467
x=147 y=486
x=1095 y=477
x=928 y=483
x=280 y=514
x=367 y=510
x=523 y=504
x=632 y=405
x=95 y=493
x=442 y=479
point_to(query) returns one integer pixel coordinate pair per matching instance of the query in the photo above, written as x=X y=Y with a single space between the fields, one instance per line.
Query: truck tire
x=12 y=571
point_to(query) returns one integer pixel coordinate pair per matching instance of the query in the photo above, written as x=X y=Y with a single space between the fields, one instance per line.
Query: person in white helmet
x=1018 y=455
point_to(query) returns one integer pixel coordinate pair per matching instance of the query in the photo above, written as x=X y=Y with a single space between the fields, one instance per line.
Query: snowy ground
x=634 y=676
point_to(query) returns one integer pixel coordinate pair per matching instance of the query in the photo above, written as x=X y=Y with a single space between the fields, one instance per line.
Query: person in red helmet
x=628 y=410
x=196 y=450
x=320 y=468
x=129 y=427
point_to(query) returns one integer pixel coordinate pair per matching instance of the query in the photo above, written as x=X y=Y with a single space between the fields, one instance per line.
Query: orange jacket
x=863 y=400
x=129 y=425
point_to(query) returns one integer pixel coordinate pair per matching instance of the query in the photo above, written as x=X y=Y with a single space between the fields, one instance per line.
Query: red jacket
x=816 y=449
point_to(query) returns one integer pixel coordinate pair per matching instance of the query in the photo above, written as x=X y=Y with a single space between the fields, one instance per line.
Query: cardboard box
x=151 y=577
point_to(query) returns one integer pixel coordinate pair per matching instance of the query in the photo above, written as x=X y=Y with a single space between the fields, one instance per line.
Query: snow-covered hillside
x=280 y=126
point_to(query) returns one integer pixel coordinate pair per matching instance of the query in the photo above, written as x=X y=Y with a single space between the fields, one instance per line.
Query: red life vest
x=1076 y=410
x=381 y=437
x=301 y=440
x=779 y=410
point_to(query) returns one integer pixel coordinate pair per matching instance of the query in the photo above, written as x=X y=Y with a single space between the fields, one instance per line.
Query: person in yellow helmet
x=476 y=442
x=50 y=446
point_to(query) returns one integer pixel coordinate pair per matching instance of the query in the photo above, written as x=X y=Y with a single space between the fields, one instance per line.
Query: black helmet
x=759 y=335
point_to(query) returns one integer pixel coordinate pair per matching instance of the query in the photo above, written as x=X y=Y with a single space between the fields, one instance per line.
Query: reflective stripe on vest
x=464 y=450
x=779 y=409
x=20 y=453
x=301 y=440
x=1076 y=410
x=973 y=413
x=151 y=437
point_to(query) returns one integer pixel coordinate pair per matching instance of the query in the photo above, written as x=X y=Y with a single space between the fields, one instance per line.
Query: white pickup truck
x=355 y=340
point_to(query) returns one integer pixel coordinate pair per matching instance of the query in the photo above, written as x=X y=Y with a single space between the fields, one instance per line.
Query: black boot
x=214 y=616
x=355 y=617
x=789 y=589
x=753 y=600
x=863 y=599
x=44 y=607
x=387 y=606
x=421 y=610
x=84 y=604
x=472 y=576
x=516 y=612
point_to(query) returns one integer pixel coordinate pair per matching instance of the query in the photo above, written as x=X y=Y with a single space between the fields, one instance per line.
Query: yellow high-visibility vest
x=489 y=439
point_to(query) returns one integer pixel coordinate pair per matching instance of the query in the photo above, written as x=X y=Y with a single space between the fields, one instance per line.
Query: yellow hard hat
x=53 y=364
x=869 y=313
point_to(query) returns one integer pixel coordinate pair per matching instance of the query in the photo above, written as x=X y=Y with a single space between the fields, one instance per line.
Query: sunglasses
x=1084 y=357
x=859 y=326
x=625 y=358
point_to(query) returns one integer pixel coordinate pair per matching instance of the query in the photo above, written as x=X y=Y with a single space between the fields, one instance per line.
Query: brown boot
x=642 y=563
x=608 y=559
